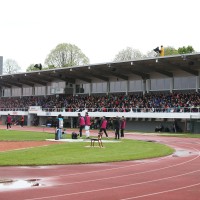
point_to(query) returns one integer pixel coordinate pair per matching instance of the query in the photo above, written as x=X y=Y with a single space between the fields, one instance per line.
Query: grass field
x=76 y=152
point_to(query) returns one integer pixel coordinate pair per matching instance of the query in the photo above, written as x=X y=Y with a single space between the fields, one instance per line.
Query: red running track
x=175 y=177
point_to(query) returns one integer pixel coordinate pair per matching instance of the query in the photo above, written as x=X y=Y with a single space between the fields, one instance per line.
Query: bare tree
x=128 y=54
x=11 y=67
x=151 y=54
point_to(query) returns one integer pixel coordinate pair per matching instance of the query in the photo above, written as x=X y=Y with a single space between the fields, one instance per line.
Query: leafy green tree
x=128 y=54
x=66 y=55
x=184 y=50
x=170 y=51
x=31 y=68
x=11 y=67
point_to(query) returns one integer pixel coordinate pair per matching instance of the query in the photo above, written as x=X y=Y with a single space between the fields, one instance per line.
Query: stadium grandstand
x=151 y=92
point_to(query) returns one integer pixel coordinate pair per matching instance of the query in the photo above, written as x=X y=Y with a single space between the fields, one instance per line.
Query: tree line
x=69 y=55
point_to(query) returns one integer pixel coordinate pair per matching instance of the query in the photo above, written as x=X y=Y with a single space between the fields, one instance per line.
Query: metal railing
x=146 y=110
x=133 y=109
x=14 y=109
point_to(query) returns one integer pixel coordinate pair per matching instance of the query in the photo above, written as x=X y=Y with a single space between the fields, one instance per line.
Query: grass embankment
x=76 y=152
x=183 y=135
x=180 y=135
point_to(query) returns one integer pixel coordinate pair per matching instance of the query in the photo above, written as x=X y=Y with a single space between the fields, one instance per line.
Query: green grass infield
x=76 y=152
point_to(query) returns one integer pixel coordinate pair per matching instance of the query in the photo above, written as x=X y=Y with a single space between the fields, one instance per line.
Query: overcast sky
x=30 y=29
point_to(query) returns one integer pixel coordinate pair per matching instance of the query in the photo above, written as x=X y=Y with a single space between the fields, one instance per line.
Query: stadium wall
x=135 y=121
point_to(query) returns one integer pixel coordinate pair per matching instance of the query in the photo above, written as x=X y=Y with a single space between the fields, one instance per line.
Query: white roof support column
x=197 y=83
x=90 y=89
x=108 y=87
x=144 y=86
x=171 y=84
x=127 y=87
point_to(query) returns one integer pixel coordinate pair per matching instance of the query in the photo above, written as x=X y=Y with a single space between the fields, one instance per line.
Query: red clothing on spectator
x=81 y=121
x=87 y=120
x=123 y=124
x=9 y=119
x=22 y=121
x=104 y=123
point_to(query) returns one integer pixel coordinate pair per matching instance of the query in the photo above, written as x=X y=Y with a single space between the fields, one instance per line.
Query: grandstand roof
x=144 y=68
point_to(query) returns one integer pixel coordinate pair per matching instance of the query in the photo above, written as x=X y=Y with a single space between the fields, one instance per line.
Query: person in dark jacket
x=8 y=121
x=116 y=125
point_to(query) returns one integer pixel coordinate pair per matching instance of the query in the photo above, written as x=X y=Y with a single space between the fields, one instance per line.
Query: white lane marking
x=161 y=192
x=123 y=186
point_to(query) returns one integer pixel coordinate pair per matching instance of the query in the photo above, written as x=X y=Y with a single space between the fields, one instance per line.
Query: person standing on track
x=122 y=126
x=81 y=123
x=59 y=127
x=87 y=125
x=22 y=121
x=116 y=125
x=8 y=121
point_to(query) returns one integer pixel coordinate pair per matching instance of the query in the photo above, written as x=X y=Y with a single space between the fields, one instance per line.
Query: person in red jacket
x=87 y=125
x=81 y=124
x=103 y=125
x=22 y=121
x=122 y=126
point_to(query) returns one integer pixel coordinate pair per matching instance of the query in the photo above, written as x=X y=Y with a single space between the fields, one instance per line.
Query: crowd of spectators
x=151 y=102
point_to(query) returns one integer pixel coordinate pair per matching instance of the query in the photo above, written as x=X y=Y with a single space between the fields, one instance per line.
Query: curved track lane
x=169 y=178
